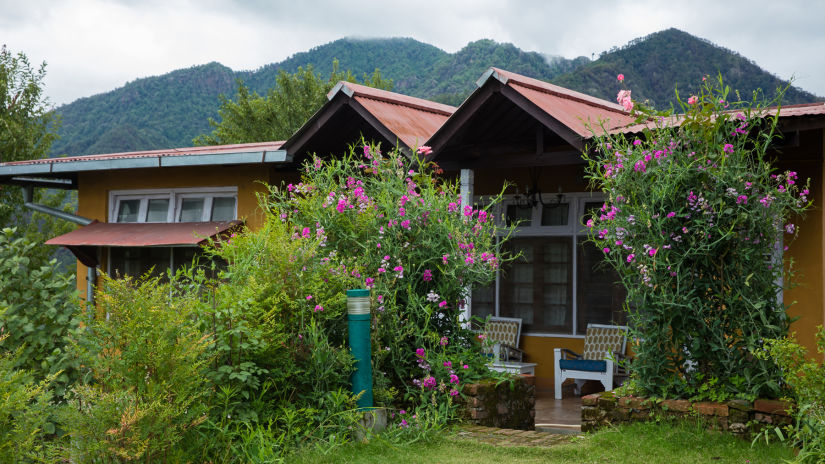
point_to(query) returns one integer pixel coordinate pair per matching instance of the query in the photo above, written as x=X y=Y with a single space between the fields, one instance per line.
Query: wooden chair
x=603 y=345
x=502 y=339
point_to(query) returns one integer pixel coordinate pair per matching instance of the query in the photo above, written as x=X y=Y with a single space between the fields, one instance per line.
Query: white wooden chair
x=603 y=344
x=502 y=339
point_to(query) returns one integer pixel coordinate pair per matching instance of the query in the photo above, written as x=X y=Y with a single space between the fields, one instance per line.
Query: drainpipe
x=28 y=202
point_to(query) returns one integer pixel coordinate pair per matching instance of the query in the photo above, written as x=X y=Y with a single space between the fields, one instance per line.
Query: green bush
x=694 y=224
x=806 y=378
x=24 y=412
x=41 y=312
x=143 y=387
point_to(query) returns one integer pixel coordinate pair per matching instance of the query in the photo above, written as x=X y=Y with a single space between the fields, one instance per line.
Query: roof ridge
x=387 y=96
x=553 y=89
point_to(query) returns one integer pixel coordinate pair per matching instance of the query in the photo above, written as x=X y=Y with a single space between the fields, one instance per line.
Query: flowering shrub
x=696 y=222
x=408 y=238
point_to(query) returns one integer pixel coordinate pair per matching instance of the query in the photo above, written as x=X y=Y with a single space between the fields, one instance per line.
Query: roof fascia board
x=540 y=115
x=340 y=87
x=249 y=157
x=459 y=119
x=300 y=138
x=25 y=170
x=105 y=165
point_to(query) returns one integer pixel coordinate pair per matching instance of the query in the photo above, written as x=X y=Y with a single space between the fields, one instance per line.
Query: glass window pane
x=555 y=215
x=136 y=261
x=191 y=210
x=537 y=287
x=223 y=209
x=484 y=301
x=519 y=214
x=128 y=211
x=600 y=295
x=158 y=210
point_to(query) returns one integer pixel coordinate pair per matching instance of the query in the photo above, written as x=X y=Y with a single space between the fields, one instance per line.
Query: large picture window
x=559 y=283
x=175 y=205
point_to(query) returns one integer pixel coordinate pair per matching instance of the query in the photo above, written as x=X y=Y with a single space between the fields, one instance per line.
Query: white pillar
x=467 y=181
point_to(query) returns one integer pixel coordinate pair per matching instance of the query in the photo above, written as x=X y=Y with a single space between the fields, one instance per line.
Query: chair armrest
x=569 y=354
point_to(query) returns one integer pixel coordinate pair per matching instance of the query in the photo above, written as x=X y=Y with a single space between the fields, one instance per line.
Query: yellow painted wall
x=808 y=251
x=94 y=188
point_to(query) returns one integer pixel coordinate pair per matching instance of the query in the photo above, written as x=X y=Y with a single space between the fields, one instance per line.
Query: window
x=175 y=205
x=137 y=261
x=559 y=284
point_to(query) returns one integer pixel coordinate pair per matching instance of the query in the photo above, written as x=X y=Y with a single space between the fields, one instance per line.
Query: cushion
x=600 y=342
x=583 y=365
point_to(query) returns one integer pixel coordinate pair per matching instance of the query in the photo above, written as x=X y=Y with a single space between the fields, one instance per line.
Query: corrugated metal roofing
x=575 y=110
x=208 y=150
x=142 y=234
x=412 y=120
x=789 y=111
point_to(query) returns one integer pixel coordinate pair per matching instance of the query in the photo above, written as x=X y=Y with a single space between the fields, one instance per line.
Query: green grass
x=635 y=443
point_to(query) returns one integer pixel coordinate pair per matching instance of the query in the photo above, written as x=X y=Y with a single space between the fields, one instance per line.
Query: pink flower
x=468 y=210
x=606 y=250
x=370 y=282
x=671 y=214
x=405 y=223
x=448 y=364
x=590 y=223
x=305 y=232
x=444 y=258
x=465 y=367
x=419 y=353
x=728 y=148
x=693 y=99
x=309 y=297
x=424 y=150
x=443 y=304
x=452 y=208
x=444 y=341
x=318 y=308
x=624 y=99
x=630 y=257
x=620 y=77
x=453 y=378
x=453 y=392
x=366 y=150
x=427 y=276
x=652 y=251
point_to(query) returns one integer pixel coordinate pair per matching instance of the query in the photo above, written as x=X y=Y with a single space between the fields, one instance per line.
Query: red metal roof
x=412 y=120
x=207 y=150
x=142 y=234
x=789 y=111
x=575 y=110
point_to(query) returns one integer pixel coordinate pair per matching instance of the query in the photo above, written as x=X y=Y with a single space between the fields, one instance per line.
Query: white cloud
x=93 y=46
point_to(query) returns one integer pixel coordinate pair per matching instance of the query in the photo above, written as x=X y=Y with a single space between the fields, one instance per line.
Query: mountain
x=170 y=110
x=652 y=65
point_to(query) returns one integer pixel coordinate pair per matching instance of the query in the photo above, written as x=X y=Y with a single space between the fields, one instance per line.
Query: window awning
x=83 y=241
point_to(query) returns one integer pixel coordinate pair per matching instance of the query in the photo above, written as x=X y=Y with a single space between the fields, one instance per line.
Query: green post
x=358 y=315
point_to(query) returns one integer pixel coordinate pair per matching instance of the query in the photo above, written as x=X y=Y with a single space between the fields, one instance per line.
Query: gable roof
x=401 y=120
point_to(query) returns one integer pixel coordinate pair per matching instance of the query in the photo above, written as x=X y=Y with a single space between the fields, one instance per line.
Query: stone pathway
x=511 y=437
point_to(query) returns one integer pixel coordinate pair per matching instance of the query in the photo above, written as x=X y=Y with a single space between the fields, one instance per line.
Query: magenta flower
x=465 y=367
x=443 y=304
x=305 y=232
x=652 y=251
x=318 y=308
x=671 y=214
x=728 y=148
x=427 y=276
x=424 y=150
x=606 y=250
x=401 y=211
x=448 y=364
x=468 y=210
x=444 y=258
x=620 y=77
x=366 y=150
x=453 y=392
x=444 y=341
x=420 y=352
x=630 y=257
x=309 y=297
x=453 y=378
x=403 y=424
x=369 y=282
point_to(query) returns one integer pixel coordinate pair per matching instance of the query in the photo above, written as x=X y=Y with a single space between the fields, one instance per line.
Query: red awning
x=97 y=234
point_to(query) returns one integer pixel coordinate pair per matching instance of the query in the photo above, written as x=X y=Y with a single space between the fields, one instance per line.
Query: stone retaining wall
x=739 y=417
x=506 y=405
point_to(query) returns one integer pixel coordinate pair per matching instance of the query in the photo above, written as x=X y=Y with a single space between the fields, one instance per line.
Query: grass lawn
x=634 y=443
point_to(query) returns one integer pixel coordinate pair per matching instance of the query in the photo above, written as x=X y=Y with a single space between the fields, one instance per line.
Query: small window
x=128 y=211
x=519 y=215
x=223 y=209
x=555 y=215
x=191 y=210
x=158 y=210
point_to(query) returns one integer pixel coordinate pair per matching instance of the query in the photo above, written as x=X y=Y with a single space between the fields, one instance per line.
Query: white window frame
x=175 y=196
x=574 y=229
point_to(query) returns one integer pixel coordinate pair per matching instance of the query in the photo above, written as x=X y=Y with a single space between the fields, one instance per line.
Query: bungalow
x=512 y=129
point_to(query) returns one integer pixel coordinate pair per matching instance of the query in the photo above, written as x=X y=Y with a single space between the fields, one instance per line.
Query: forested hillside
x=170 y=110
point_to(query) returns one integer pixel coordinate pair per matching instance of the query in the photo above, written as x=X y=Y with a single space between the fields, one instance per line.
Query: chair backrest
x=601 y=341
x=505 y=330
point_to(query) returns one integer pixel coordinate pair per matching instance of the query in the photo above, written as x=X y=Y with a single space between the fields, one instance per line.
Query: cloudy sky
x=93 y=46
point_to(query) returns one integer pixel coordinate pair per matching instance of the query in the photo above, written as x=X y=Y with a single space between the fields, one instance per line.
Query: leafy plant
x=806 y=378
x=39 y=312
x=695 y=223
x=143 y=389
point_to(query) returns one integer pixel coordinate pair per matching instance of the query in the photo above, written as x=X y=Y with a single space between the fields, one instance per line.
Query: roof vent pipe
x=28 y=202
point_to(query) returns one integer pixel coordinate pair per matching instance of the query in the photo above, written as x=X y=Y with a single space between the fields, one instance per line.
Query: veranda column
x=467 y=181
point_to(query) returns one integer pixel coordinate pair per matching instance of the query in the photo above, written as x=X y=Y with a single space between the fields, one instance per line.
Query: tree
x=27 y=130
x=284 y=109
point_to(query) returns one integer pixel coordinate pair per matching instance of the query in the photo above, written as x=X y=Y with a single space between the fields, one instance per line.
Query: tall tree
x=284 y=109
x=27 y=130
